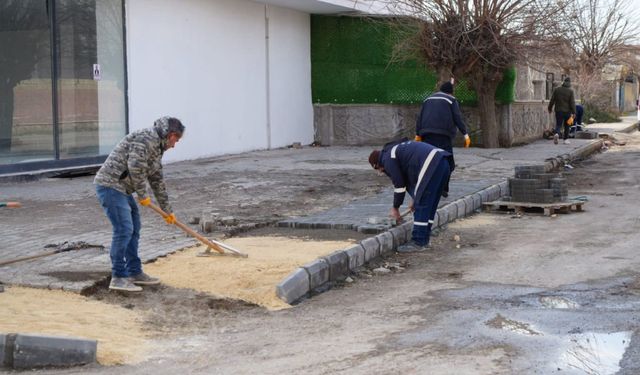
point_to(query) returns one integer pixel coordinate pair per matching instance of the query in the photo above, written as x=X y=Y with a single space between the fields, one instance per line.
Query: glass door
x=62 y=88
x=90 y=77
x=26 y=116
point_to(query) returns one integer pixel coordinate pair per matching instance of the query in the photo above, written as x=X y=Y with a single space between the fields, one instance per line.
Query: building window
x=62 y=81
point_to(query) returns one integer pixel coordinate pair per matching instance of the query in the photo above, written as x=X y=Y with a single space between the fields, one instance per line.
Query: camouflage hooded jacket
x=136 y=160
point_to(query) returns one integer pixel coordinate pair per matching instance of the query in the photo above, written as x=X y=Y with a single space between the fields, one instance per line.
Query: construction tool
x=10 y=204
x=387 y=220
x=66 y=246
x=211 y=244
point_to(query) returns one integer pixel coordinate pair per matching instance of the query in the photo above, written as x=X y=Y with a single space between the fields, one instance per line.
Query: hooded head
x=566 y=82
x=374 y=159
x=165 y=127
x=447 y=88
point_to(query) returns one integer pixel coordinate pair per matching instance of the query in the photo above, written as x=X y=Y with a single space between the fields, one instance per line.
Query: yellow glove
x=467 y=141
x=146 y=201
x=170 y=219
x=418 y=138
x=570 y=120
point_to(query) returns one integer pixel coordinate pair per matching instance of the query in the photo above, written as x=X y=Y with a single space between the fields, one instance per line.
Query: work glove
x=146 y=201
x=467 y=141
x=570 y=120
x=170 y=219
x=418 y=138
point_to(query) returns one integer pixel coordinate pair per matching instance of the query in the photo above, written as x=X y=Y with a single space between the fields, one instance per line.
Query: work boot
x=144 y=279
x=412 y=247
x=555 y=139
x=124 y=284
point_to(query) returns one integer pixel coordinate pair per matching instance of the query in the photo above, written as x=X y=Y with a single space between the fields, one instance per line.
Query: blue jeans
x=425 y=209
x=122 y=211
x=561 y=121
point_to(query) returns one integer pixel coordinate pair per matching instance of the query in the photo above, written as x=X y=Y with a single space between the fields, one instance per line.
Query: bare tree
x=599 y=32
x=474 y=39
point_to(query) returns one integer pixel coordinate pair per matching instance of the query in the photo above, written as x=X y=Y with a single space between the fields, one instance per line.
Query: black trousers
x=445 y=143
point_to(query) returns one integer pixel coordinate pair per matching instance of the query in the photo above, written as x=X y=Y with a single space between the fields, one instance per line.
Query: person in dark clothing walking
x=421 y=170
x=564 y=102
x=436 y=125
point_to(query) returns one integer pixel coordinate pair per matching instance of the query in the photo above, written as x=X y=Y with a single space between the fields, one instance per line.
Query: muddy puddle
x=595 y=353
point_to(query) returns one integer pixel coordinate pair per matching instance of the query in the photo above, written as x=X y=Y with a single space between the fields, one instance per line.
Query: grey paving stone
x=294 y=286
x=371 y=248
x=386 y=242
x=338 y=265
x=452 y=212
x=34 y=351
x=356 y=256
x=3 y=339
x=461 y=207
x=443 y=217
x=318 y=271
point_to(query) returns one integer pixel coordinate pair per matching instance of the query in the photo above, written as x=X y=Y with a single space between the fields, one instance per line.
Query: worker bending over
x=421 y=170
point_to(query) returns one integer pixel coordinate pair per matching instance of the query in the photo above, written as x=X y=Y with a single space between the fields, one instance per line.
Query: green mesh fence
x=350 y=64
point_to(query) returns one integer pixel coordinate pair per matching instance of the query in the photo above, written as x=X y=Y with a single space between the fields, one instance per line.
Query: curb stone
x=356 y=256
x=338 y=262
x=26 y=351
x=318 y=271
x=314 y=274
x=294 y=286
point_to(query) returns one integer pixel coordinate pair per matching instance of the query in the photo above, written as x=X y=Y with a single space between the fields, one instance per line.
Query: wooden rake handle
x=197 y=235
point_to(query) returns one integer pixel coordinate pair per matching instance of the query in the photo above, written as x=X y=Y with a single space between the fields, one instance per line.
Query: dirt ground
x=498 y=293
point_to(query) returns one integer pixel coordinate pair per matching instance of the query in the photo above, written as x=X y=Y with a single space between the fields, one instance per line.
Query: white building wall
x=291 y=110
x=205 y=62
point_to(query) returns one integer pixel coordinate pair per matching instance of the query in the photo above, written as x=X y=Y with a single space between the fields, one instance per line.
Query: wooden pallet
x=547 y=208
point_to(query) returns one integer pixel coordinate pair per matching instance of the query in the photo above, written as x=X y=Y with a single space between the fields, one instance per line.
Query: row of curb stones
x=318 y=275
x=23 y=351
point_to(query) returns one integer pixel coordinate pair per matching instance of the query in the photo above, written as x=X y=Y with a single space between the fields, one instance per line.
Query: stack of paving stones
x=21 y=351
x=586 y=135
x=531 y=184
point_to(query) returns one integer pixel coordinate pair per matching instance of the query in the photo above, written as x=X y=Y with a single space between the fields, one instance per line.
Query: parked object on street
x=10 y=204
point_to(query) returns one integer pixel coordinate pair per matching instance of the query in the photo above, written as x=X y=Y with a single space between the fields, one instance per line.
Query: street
x=522 y=294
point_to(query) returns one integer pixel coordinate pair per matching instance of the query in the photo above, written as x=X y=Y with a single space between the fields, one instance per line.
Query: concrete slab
x=386 y=242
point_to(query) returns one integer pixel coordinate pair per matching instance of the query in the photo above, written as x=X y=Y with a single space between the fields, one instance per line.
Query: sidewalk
x=330 y=184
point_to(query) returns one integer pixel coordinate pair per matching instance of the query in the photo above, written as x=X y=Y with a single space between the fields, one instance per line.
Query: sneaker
x=124 y=284
x=566 y=142
x=412 y=247
x=555 y=139
x=144 y=279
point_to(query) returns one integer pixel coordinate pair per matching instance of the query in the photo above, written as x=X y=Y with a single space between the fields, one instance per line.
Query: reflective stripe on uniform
x=441 y=98
x=400 y=190
x=424 y=168
x=421 y=223
x=393 y=152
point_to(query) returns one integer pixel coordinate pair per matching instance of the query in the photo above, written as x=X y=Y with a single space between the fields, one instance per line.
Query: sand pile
x=118 y=330
x=251 y=279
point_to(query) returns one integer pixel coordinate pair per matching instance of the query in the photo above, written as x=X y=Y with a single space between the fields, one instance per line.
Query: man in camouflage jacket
x=134 y=161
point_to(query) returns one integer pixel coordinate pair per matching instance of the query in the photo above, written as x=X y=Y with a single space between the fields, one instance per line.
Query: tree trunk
x=6 y=117
x=488 y=121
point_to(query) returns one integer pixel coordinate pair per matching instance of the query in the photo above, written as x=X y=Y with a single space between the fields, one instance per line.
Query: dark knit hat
x=447 y=88
x=374 y=159
x=567 y=79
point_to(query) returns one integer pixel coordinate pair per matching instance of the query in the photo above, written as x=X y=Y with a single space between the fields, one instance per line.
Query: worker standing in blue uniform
x=422 y=170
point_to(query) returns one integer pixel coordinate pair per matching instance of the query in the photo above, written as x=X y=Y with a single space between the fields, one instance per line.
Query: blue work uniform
x=421 y=170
